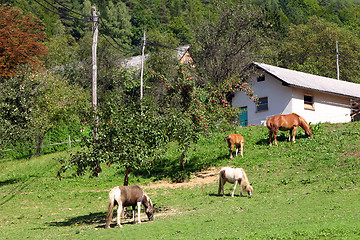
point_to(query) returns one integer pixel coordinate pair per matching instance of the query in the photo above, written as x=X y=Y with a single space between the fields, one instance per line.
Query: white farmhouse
x=283 y=91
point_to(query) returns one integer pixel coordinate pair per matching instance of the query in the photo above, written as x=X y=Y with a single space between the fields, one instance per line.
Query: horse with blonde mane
x=289 y=122
x=125 y=196
x=234 y=176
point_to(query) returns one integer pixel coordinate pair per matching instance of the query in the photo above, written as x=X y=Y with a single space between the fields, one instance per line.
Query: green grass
x=306 y=190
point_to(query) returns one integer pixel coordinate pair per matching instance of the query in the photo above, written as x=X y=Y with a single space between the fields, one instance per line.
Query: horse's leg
x=119 y=211
x=133 y=212
x=270 y=137
x=237 y=149
x=139 y=209
x=294 y=133
x=290 y=133
x=275 y=136
x=232 y=194
x=231 y=147
x=242 y=149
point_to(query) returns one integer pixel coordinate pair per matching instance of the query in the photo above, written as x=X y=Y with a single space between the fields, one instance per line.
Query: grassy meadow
x=306 y=190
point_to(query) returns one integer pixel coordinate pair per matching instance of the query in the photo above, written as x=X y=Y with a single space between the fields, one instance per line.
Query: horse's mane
x=147 y=201
x=302 y=120
x=245 y=180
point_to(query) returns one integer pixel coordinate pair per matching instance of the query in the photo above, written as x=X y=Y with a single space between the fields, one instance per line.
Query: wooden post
x=142 y=71
x=337 y=61
x=94 y=70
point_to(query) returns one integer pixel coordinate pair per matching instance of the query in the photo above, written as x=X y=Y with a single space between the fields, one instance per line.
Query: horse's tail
x=110 y=208
x=269 y=123
x=227 y=138
x=221 y=184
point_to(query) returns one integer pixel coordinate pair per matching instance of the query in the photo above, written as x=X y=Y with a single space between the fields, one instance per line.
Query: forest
x=46 y=69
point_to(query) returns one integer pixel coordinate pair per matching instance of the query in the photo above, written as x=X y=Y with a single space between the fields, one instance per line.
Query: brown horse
x=124 y=196
x=235 y=140
x=288 y=122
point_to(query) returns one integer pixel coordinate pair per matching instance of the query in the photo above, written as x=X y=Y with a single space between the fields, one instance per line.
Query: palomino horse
x=288 y=122
x=125 y=196
x=234 y=176
x=235 y=140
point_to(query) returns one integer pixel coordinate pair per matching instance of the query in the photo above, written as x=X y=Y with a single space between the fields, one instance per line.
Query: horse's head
x=150 y=211
x=249 y=189
x=309 y=132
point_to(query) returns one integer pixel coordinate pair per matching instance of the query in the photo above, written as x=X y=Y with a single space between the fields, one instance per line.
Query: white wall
x=279 y=100
x=327 y=107
x=285 y=100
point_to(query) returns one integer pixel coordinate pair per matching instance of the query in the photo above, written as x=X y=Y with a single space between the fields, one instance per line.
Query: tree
x=193 y=108
x=131 y=136
x=21 y=40
x=116 y=23
x=33 y=103
x=61 y=50
x=313 y=50
x=223 y=45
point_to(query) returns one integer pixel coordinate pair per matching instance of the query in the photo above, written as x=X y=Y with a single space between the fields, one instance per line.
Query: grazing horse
x=125 y=196
x=235 y=140
x=288 y=122
x=234 y=176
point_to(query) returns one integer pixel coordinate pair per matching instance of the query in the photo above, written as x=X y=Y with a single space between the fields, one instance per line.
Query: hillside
x=306 y=190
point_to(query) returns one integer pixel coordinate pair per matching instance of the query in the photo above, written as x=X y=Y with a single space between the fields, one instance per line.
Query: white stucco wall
x=284 y=100
x=276 y=93
x=327 y=107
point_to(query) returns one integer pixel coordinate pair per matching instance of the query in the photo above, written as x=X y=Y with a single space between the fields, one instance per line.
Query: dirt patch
x=207 y=176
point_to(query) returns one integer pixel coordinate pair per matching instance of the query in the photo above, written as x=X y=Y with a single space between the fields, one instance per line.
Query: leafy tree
x=61 y=50
x=33 y=103
x=223 y=45
x=21 y=40
x=274 y=14
x=192 y=107
x=116 y=22
x=298 y=11
x=131 y=135
x=313 y=47
x=181 y=30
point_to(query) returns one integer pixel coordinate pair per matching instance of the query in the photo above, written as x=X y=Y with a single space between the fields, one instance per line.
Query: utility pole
x=337 y=61
x=94 y=70
x=142 y=70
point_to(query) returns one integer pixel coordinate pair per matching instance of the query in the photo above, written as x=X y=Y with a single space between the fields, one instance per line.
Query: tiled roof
x=313 y=82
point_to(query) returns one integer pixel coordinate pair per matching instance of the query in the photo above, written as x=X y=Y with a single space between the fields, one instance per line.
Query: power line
x=70 y=9
x=160 y=45
x=295 y=56
x=62 y=12
x=118 y=48
x=127 y=51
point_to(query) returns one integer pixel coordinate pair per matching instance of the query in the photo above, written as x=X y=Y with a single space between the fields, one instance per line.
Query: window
x=262 y=104
x=308 y=102
x=261 y=78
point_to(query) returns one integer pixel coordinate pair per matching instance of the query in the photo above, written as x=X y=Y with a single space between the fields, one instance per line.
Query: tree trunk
x=126 y=179
x=39 y=143
x=182 y=164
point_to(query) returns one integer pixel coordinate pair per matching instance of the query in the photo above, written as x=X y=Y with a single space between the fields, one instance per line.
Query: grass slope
x=306 y=190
